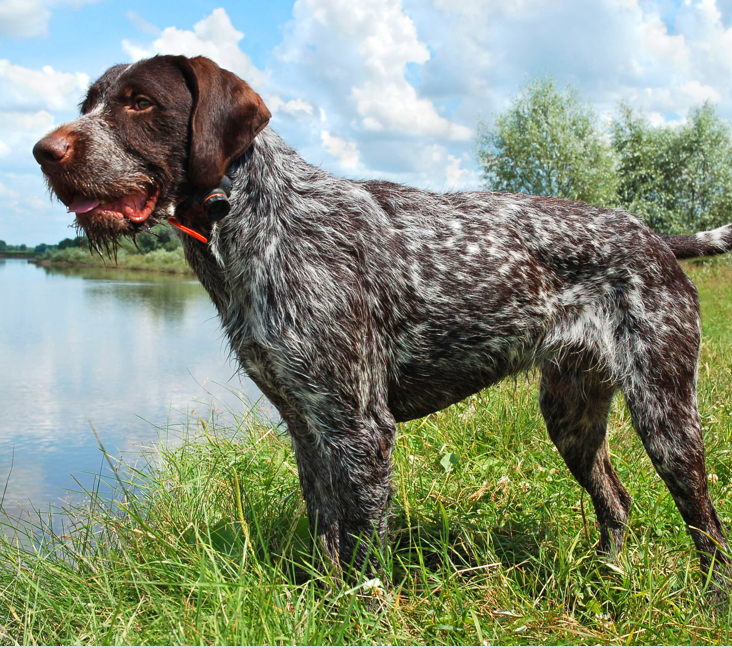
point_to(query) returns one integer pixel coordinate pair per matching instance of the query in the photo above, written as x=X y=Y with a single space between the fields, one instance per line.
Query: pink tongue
x=81 y=205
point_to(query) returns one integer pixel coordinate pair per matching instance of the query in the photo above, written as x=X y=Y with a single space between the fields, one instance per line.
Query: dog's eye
x=142 y=104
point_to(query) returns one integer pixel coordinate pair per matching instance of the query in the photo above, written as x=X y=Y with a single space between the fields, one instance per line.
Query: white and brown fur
x=354 y=305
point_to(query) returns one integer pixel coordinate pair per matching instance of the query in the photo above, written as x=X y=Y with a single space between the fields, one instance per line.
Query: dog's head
x=149 y=135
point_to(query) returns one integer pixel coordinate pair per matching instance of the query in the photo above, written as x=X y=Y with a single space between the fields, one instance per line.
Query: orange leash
x=188 y=230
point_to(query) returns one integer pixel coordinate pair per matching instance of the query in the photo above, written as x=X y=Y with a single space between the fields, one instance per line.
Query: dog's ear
x=227 y=115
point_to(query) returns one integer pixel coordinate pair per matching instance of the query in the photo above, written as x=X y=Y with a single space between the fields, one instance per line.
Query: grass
x=491 y=538
x=170 y=261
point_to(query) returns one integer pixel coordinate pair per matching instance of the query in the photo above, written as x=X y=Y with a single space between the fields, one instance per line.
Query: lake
x=126 y=352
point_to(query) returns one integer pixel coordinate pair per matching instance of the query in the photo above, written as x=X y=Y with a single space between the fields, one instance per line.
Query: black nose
x=51 y=150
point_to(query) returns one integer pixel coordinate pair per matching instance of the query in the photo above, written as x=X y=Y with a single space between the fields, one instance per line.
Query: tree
x=677 y=179
x=703 y=151
x=3 y=246
x=548 y=143
x=68 y=243
x=23 y=247
x=645 y=165
x=160 y=237
x=146 y=242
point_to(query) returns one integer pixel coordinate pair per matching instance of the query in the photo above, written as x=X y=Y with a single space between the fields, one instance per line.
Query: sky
x=388 y=89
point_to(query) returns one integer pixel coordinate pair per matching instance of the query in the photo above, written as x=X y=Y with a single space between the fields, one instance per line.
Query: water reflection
x=117 y=349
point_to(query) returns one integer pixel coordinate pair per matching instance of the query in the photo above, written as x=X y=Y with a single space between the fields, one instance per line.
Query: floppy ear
x=227 y=116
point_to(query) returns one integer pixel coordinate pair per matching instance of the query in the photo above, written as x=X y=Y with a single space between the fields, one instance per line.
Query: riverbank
x=169 y=261
x=18 y=255
x=491 y=538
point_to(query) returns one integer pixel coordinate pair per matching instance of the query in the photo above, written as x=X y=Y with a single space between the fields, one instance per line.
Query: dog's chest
x=230 y=279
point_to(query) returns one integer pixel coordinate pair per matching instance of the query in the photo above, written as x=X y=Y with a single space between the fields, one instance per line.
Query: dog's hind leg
x=575 y=400
x=662 y=402
x=658 y=345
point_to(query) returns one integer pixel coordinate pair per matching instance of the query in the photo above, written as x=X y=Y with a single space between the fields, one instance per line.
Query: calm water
x=123 y=351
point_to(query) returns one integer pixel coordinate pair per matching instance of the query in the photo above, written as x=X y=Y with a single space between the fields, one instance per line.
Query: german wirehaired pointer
x=357 y=304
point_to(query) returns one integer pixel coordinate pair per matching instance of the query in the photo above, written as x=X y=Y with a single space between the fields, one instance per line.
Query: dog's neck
x=263 y=195
x=257 y=179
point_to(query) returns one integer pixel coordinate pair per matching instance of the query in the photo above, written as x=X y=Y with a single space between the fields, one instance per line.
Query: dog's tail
x=702 y=244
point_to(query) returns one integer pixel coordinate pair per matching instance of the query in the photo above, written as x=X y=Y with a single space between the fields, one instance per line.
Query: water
x=123 y=351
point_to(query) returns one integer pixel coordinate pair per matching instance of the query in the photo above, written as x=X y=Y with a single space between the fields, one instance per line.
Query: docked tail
x=703 y=244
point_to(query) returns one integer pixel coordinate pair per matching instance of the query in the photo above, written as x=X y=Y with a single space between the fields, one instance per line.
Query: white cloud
x=345 y=152
x=24 y=18
x=45 y=88
x=358 y=61
x=214 y=37
x=459 y=177
x=29 y=18
x=296 y=107
x=615 y=50
x=384 y=40
x=396 y=106
x=28 y=215
x=19 y=131
x=662 y=46
x=672 y=99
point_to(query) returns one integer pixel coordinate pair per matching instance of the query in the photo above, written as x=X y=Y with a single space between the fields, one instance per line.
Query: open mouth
x=136 y=206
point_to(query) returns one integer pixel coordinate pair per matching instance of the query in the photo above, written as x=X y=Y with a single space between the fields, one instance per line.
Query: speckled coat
x=354 y=305
x=357 y=304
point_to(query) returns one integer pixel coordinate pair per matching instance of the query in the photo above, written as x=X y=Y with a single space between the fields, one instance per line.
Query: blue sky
x=369 y=89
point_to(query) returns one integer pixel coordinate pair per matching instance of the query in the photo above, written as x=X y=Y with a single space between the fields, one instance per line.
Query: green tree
x=146 y=242
x=159 y=237
x=548 y=143
x=68 y=243
x=3 y=246
x=23 y=247
x=703 y=150
x=677 y=179
x=646 y=163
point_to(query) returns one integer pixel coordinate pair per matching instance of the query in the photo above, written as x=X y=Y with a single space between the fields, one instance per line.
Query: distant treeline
x=160 y=237
x=676 y=177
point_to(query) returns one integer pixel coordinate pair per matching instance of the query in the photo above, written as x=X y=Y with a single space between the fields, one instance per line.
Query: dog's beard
x=105 y=224
x=104 y=232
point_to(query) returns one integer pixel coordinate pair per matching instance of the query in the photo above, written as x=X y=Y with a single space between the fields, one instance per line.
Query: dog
x=355 y=305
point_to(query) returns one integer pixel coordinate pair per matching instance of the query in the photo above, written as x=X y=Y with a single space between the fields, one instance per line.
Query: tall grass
x=491 y=538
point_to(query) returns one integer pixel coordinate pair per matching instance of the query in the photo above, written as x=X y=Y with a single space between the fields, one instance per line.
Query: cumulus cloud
x=673 y=99
x=24 y=18
x=19 y=131
x=296 y=107
x=46 y=88
x=377 y=40
x=214 y=37
x=457 y=176
x=28 y=18
x=614 y=50
x=345 y=152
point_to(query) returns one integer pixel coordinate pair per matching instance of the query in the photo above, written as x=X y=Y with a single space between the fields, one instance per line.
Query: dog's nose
x=51 y=150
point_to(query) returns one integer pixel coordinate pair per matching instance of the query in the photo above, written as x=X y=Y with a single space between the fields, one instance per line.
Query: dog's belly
x=428 y=382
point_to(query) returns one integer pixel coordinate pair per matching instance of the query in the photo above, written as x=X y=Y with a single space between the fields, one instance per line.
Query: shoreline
x=115 y=267
x=160 y=261
x=18 y=255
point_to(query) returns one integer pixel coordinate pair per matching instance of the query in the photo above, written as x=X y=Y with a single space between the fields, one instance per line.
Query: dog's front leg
x=345 y=477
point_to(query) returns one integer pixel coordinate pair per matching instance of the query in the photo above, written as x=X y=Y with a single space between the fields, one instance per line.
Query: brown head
x=149 y=135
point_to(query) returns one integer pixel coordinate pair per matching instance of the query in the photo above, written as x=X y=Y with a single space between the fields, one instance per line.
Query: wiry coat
x=354 y=305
